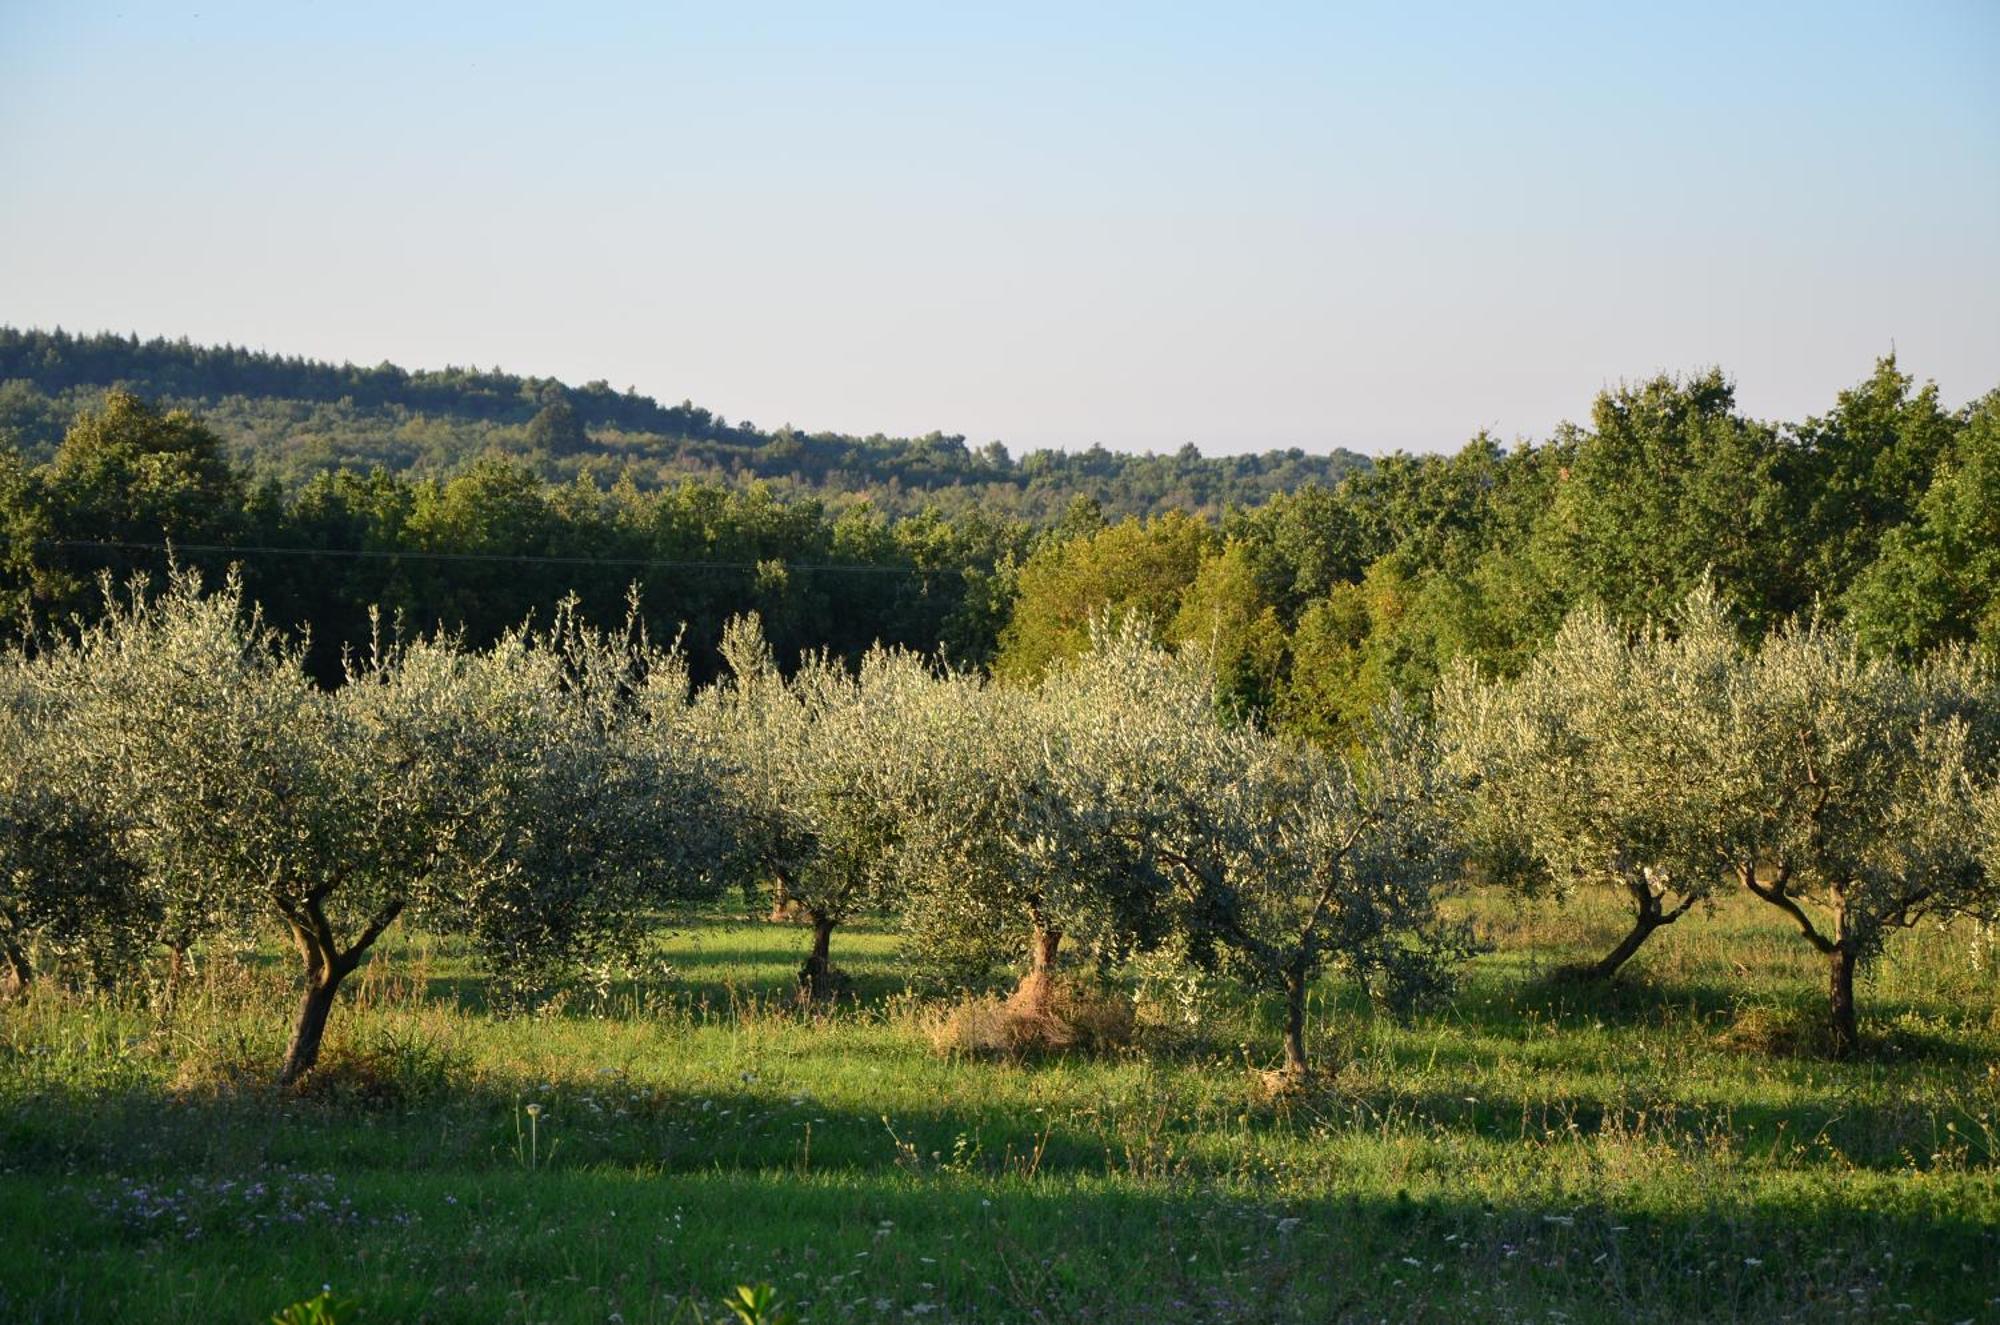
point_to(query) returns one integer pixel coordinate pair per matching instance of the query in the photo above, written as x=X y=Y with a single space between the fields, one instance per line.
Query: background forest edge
x=1318 y=601
x=293 y=417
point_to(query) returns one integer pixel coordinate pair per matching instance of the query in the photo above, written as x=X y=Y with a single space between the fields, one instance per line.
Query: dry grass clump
x=383 y=1069
x=208 y=1076
x=1776 y=1032
x=1076 y=1017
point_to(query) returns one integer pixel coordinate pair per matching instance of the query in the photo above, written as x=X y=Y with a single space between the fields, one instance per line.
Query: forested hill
x=292 y=417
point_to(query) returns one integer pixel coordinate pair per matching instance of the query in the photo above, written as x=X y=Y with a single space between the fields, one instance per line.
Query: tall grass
x=1666 y=1149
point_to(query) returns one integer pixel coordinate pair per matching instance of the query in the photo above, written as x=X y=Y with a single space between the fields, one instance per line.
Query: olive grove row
x=171 y=772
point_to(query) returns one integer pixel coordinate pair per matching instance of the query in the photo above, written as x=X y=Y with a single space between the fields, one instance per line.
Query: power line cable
x=512 y=558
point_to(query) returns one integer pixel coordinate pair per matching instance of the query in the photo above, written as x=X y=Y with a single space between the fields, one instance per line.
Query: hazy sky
x=1319 y=225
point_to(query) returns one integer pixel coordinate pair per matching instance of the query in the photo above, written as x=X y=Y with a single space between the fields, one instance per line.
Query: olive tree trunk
x=816 y=983
x=1842 y=952
x=1295 y=1068
x=327 y=964
x=302 y=1054
x=1035 y=995
x=20 y=973
x=1650 y=914
x=1841 y=1020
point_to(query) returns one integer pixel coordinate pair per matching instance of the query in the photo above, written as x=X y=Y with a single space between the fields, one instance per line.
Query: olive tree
x=600 y=801
x=1849 y=798
x=1589 y=769
x=539 y=797
x=824 y=765
x=513 y=794
x=1047 y=807
x=1310 y=861
x=210 y=743
x=68 y=883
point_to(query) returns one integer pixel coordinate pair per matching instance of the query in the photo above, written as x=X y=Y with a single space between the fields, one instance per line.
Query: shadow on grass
x=409 y=1104
x=419 y=1236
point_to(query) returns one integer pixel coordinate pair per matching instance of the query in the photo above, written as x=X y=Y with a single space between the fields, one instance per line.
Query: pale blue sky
x=1372 y=226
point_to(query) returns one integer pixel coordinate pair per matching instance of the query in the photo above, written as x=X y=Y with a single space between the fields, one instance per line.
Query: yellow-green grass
x=1665 y=1149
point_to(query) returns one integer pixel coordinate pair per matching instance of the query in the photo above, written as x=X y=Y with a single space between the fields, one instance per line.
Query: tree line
x=481 y=551
x=170 y=772
x=1883 y=514
x=292 y=418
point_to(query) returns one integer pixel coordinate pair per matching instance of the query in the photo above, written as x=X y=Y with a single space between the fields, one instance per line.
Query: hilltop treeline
x=1882 y=514
x=292 y=417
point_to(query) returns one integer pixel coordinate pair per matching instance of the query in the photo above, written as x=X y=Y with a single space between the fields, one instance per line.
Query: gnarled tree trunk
x=1035 y=995
x=326 y=966
x=1842 y=1022
x=302 y=1054
x=1842 y=952
x=1295 y=1068
x=19 y=973
x=816 y=983
x=1650 y=915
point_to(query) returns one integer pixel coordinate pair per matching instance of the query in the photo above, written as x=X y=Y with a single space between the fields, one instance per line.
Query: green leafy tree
x=1670 y=485
x=1860 y=471
x=1226 y=613
x=1937 y=579
x=127 y=474
x=1142 y=567
x=557 y=430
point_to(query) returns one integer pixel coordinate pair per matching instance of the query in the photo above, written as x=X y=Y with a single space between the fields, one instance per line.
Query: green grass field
x=1662 y=1150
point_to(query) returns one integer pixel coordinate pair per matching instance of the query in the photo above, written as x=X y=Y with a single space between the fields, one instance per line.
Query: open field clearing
x=1665 y=1149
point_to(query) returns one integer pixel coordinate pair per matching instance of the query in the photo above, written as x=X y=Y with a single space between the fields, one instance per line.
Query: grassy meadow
x=1665 y=1149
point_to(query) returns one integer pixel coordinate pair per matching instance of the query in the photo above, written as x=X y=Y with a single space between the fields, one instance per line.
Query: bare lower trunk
x=1650 y=914
x=310 y=1028
x=784 y=907
x=1842 y=1021
x=1839 y=944
x=1035 y=995
x=1607 y=966
x=176 y=970
x=1295 y=1029
x=816 y=976
x=326 y=966
x=19 y=973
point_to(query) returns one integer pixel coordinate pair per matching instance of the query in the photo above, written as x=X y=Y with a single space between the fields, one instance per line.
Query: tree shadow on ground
x=423 y=1232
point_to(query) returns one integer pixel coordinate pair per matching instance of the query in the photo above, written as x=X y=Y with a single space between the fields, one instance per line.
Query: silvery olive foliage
x=1592 y=767
x=68 y=886
x=1989 y=845
x=1848 y=792
x=170 y=771
x=1114 y=803
x=1047 y=805
x=212 y=745
x=538 y=797
x=826 y=765
x=1308 y=860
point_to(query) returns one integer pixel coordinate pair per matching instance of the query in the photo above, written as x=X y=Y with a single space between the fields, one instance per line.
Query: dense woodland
x=1882 y=514
x=292 y=418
